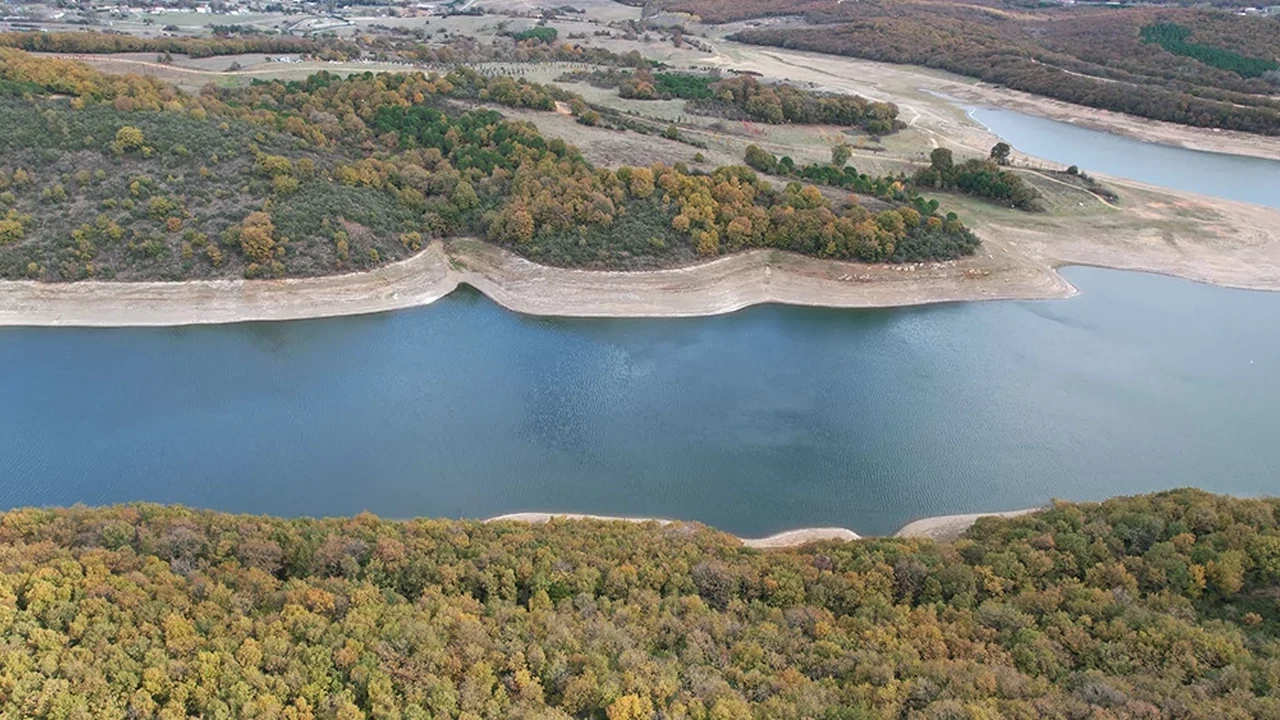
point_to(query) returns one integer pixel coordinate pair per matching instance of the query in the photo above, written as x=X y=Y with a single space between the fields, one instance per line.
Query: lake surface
x=1235 y=177
x=758 y=421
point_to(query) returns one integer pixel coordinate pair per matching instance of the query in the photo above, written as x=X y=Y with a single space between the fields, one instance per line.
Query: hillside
x=1205 y=68
x=1153 y=606
x=126 y=177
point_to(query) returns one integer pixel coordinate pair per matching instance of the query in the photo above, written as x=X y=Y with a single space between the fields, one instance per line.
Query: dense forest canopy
x=132 y=178
x=541 y=34
x=1174 y=38
x=1160 y=606
x=1220 y=73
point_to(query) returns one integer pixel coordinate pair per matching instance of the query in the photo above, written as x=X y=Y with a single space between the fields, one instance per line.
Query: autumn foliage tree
x=1146 y=607
x=256 y=240
x=127 y=138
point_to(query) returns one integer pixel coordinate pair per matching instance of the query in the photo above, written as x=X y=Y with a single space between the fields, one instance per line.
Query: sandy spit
x=790 y=538
x=945 y=528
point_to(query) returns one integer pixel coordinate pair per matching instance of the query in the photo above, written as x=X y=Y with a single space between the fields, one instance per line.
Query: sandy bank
x=419 y=280
x=791 y=538
x=945 y=528
x=719 y=286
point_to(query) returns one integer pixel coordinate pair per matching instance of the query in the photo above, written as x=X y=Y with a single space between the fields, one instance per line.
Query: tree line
x=644 y=84
x=102 y=42
x=979 y=177
x=396 y=44
x=1156 y=606
x=782 y=103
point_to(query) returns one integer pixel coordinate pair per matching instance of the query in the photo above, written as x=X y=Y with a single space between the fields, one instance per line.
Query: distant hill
x=1207 y=68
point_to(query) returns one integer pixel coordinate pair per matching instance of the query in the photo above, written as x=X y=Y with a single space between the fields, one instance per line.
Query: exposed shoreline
x=891 y=80
x=1135 y=127
x=789 y=538
x=945 y=528
x=1018 y=261
x=716 y=287
x=941 y=528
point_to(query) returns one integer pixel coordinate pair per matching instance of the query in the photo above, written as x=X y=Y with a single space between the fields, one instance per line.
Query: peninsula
x=360 y=232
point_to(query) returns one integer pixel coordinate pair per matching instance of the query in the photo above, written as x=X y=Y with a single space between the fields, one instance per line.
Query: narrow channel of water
x=1234 y=177
x=758 y=421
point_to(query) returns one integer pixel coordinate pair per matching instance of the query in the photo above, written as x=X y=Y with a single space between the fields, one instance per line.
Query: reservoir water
x=758 y=421
x=1234 y=177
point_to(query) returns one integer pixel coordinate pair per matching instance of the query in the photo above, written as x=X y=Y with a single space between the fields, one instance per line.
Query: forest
x=130 y=178
x=1157 y=606
x=1173 y=37
x=1100 y=57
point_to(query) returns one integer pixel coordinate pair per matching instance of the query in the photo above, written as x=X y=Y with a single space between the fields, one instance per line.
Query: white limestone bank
x=715 y=287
